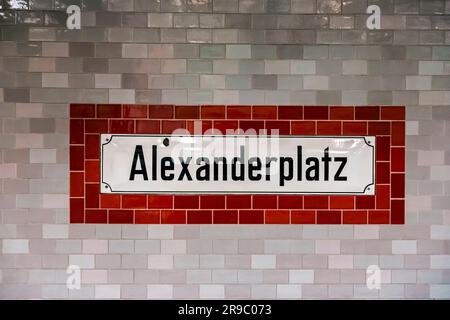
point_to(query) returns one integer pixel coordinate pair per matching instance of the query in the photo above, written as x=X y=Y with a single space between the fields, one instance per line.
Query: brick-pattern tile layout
x=88 y=205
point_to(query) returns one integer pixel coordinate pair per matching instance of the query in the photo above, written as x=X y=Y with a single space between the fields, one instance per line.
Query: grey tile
x=303 y=6
x=441 y=53
x=173 y=35
x=81 y=49
x=239 y=21
x=432 y=7
x=251 y=6
x=186 y=21
x=393 y=52
x=42 y=125
x=264 y=82
x=16 y=95
x=35 y=18
x=213 y=51
x=263 y=21
x=354 y=6
x=134 y=19
x=406 y=6
x=108 y=50
x=199 y=5
x=386 y=6
x=108 y=19
x=147 y=5
x=289 y=52
x=186 y=51
x=134 y=81
x=199 y=66
x=173 y=6
x=278 y=6
x=329 y=6
x=290 y=21
x=147 y=35
x=228 y=6
x=264 y=51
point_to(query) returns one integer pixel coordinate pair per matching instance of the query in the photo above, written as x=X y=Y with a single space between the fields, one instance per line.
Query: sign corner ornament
x=237 y=164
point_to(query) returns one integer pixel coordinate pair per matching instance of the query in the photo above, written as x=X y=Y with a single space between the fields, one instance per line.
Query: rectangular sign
x=237 y=164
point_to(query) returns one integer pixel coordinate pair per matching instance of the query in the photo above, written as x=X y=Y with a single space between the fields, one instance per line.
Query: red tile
x=342 y=202
x=329 y=128
x=398 y=134
x=278 y=127
x=134 y=201
x=92 y=195
x=187 y=112
x=355 y=217
x=303 y=127
x=109 y=111
x=383 y=173
x=186 y=202
x=315 y=112
x=365 y=202
x=398 y=159
x=397 y=211
x=303 y=217
x=239 y=112
x=147 y=216
x=76 y=210
x=212 y=202
x=367 y=113
x=169 y=126
x=290 y=112
x=135 y=110
x=110 y=201
x=96 y=126
x=254 y=126
x=92 y=146
x=160 y=111
x=213 y=112
x=82 y=110
x=398 y=185
x=173 y=216
x=237 y=201
x=76 y=184
x=379 y=217
x=264 y=112
x=92 y=169
x=76 y=131
x=121 y=216
x=76 y=158
x=290 y=202
x=393 y=113
x=315 y=202
x=329 y=217
x=383 y=148
x=121 y=126
x=147 y=126
x=199 y=216
x=277 y=217
x=225 y=125
x=379 y=128
x=354 y=128
x=264 y=201
x=342 y=113
x=383 y=196
x=158 y=201
x=199 y=126
x=251 y=217
x=96 y=216
x=225 y=216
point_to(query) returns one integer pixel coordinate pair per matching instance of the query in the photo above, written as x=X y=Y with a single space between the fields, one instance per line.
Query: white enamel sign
x=237 y=164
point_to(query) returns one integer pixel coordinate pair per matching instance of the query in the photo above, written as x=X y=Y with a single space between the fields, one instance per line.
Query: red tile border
x=87 y=205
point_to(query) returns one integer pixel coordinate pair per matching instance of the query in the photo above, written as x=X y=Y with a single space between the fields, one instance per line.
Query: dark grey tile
x=55 y=18
x=16 y=94
x=81 y=49
x=35 y=18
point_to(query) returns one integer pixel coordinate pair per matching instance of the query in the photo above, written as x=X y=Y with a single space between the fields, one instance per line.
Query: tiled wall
x=88 y=205
x=226 y=52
